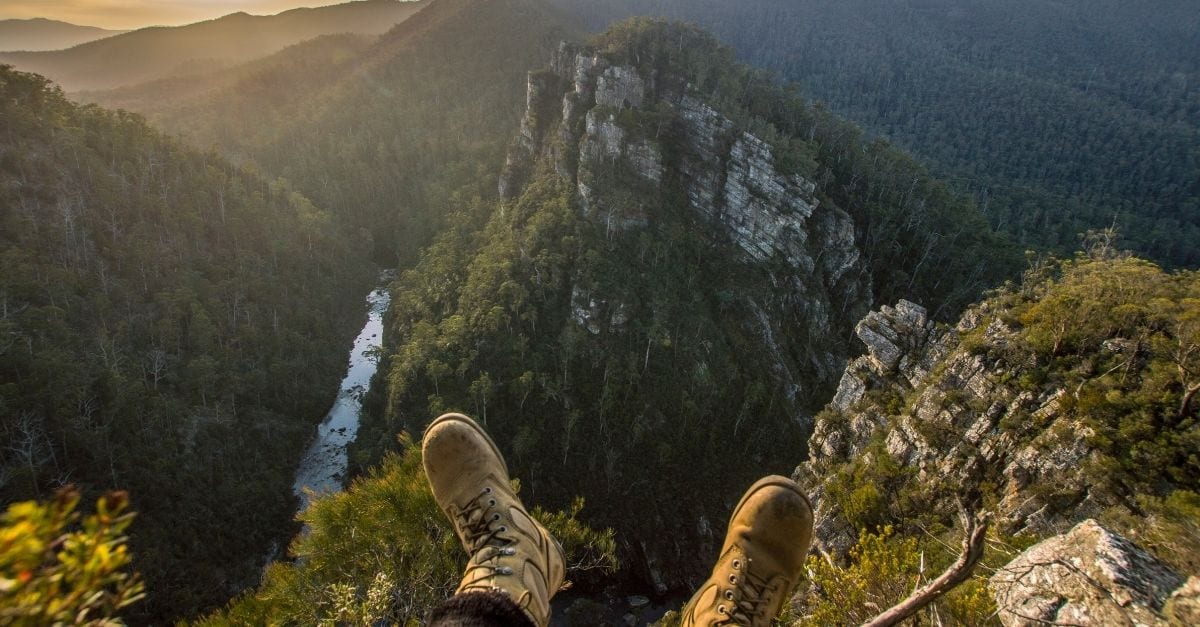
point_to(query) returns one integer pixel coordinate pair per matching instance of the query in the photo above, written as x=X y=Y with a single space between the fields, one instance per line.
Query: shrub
x=58 y=567
x=383 y=552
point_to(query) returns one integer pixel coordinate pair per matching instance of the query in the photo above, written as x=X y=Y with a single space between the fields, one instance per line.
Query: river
x=323 y=467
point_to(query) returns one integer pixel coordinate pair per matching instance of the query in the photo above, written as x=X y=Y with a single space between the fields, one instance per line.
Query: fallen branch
x=974 y=537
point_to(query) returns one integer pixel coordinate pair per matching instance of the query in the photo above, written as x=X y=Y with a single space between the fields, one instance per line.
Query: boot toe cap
x=456 y=452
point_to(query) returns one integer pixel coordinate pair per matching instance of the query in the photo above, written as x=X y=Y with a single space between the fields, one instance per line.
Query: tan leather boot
x=761 y=561
x=510 y=551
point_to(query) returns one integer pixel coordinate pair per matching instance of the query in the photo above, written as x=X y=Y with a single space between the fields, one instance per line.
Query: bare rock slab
x=1087 y=576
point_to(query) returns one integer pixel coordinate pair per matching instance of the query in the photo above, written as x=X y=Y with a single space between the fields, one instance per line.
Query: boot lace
x=745 y=601
x=482 y=531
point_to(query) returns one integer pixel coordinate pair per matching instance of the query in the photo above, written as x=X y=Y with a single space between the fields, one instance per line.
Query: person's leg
x=761 y=560
x=513 y=557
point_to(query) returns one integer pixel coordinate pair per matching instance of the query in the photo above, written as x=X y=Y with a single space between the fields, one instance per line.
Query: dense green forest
x=1057 y=117
x=170 y=325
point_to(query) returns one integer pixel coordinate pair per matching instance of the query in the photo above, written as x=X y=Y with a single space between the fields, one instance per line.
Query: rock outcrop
x=955 y=413
x=627 y=140
x=1088 y=576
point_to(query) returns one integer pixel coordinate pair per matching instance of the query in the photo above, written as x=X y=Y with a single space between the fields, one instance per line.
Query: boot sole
x=474 y=425
x=772 y=480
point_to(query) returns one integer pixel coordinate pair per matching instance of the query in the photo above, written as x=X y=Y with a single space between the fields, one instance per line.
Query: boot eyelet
x=721 y=609
x=492 y=502
x=508 y=550
x=737 y=564
x=503 y=529
x=733 y=579
x=487 y=490
x=496 y=516
x=729 y=595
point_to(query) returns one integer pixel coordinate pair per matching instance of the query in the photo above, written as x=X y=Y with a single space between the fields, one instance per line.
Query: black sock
x=479 y=609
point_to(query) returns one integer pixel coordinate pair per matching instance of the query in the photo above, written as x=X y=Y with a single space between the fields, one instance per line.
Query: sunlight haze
x=133 y=14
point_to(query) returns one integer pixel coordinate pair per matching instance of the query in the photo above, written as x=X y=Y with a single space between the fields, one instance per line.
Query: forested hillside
x=388 y=139
x=164 y=51
x=171 y=325
x=245 y=106
x=1057 y=117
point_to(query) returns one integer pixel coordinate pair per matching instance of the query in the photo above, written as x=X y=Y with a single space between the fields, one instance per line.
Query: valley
x=652 y=269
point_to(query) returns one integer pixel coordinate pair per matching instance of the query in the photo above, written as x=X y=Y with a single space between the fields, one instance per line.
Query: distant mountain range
x=157 y=52
x=41 y=34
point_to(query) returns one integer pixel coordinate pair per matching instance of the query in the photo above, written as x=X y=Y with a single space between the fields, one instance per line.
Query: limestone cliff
x=627 y=138
x=666 y=292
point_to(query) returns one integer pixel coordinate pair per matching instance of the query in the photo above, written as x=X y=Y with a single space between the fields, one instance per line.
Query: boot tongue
x=522 y=522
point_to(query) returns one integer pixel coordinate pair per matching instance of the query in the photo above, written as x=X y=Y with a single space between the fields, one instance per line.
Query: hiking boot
x=511 y=553
x=761 y=560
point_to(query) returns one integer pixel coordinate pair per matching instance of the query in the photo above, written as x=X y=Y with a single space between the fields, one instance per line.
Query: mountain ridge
x=161 y=51
x=41 y=34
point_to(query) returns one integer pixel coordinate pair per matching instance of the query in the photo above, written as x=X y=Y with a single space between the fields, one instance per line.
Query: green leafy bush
x=60 y=567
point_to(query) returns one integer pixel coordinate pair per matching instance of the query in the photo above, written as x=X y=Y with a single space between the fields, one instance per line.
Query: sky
x=131 y=14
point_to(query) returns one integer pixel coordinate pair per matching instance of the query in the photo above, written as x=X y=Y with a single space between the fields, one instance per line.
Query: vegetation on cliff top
x=59 y=567
x=383 y=551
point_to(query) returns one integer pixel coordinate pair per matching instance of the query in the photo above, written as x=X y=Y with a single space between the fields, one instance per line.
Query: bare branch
x=974 y=538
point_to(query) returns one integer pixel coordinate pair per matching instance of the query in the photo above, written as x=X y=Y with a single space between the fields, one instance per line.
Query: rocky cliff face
x=1028 y=407
x=629 y=140
x=772 y=274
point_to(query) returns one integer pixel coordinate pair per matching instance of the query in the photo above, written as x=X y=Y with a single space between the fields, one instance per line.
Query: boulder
x=1087 y=576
